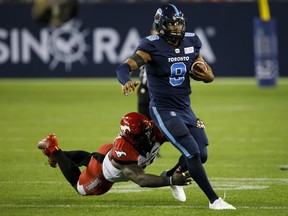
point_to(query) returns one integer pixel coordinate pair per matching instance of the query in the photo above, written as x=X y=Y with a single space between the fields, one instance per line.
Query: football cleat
x=220 y=204
x=177 y=191
x=50 y=143
x=51 y=159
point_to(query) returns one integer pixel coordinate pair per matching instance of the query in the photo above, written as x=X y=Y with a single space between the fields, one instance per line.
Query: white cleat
x=177 y=191
x=220 y=204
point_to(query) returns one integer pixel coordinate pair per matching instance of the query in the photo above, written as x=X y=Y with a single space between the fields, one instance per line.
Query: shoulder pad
x=189 y=34
x=152 y=37
x=123 y=151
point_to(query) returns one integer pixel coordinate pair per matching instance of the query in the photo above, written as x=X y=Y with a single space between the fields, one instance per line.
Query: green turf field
x=246 y=125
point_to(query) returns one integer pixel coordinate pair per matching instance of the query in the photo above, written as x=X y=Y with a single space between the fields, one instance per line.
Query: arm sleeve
x=123 y=73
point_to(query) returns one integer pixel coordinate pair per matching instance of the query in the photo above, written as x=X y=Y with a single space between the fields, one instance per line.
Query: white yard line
x=219 y=184
x=92 y=206
x=225 y=184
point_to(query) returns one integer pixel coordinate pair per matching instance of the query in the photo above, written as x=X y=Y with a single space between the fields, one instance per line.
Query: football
x=199 y=66
x=196 y=69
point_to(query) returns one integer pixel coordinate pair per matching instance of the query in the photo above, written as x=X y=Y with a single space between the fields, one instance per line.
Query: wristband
x=123 y=73
x=171 y=180
x=167 y=181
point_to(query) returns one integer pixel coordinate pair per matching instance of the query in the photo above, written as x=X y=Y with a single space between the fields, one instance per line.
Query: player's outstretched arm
x=136 y=174
x=133 y=63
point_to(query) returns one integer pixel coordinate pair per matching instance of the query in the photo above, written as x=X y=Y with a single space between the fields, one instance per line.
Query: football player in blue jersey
x=171 y=58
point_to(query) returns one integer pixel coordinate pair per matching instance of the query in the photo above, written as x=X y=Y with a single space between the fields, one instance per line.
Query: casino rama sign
x=71 y=44
x=67 y=44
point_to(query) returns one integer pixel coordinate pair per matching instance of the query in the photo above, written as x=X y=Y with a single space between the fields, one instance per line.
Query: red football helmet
x=137 y=129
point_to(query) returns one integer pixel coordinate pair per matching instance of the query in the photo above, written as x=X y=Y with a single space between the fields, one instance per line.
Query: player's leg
x=201 y=139
x=79 y=157
x=92 y=180
x=51 y=159
x=68 y=168
x=181 y=163
x=82 y=158
x=178 y=134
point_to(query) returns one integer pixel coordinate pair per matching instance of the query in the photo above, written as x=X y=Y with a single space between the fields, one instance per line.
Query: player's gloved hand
x=181 y=178
x=129 y=87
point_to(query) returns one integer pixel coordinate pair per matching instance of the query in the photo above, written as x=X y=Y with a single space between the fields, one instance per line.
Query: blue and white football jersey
x=168 y=72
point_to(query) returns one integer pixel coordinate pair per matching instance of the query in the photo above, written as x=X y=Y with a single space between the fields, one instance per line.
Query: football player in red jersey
x=125 y=159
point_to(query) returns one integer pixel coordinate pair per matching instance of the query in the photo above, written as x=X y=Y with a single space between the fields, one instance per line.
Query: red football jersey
x=98 y=178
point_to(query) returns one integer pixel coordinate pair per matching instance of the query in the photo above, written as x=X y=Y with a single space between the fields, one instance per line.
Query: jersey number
x=178 y=71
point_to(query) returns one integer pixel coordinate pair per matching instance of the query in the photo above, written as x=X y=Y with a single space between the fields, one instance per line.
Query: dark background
x=231 y=38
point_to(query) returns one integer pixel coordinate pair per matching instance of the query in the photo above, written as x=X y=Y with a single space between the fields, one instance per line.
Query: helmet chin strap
x=173 y=41
x=173 y=38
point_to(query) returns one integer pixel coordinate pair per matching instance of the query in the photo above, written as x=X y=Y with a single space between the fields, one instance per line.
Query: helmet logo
x=158 y=15
x=120 y=153
x=124 y=128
